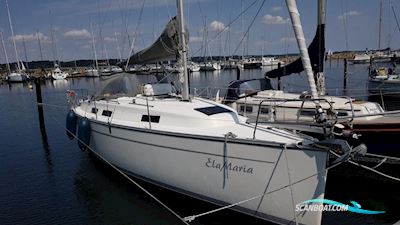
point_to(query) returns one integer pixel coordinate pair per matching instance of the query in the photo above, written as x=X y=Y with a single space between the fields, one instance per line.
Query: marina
x=171 y=135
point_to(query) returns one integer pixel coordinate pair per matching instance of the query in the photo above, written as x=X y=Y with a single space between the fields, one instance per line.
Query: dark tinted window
x=307 y=112
x=248 y=108
x=154 y=119
x=106 y=113
x=264 y=110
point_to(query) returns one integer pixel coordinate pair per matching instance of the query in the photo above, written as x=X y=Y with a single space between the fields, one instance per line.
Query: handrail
x=315 y=100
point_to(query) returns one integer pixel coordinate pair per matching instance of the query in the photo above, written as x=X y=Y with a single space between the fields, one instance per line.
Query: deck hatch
x=212 y=110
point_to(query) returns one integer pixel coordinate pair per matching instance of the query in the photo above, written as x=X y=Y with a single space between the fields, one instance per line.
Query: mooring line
x=53 y=105
x=369 y=168
x=123 y=174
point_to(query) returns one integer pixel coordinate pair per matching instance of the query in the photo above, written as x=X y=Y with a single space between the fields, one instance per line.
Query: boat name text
x=212 y=163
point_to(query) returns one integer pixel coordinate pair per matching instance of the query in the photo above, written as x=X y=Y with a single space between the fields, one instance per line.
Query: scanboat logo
x=212 y=163
x=330 y=205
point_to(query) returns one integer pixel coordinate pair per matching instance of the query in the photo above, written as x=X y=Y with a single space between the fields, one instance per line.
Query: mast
x=40 y=45
x=380 y=25
x=94 y=48
x=26 y=55
x=183 y=50
x=5 y=52
x=319 y=75
x=118 y=47
x=53 y=44
x=298 y=30
x=12 y=35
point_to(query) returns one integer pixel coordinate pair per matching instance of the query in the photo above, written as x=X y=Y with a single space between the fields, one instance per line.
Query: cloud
x=30 y=37
x=274 y=20
x=217 y=26
x=276 y=8
x=77 y=34
x=194 y=39
x=349 y=14
x=287 y=39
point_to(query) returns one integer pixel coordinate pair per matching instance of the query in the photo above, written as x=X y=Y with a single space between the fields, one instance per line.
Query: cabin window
x=95 y=110
x=264 y=110
x=248 y=108
x=342 y=113
x=307 y=112
x=154 y=119
x=212 y=110
x=106 y=113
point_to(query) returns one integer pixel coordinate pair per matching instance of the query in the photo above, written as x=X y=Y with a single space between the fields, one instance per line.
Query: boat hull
x=386 y=87
x=194 y=165
x=17 y=78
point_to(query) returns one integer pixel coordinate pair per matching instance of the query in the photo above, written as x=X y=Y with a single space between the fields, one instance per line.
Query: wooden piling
x=279 y=78
x=237 y=73
x=345 y=75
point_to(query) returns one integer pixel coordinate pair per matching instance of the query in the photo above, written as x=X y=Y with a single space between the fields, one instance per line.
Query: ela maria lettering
x=211 y=163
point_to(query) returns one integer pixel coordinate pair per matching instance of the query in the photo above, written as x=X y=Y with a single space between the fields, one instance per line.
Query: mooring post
x=237 y=73
x=39 y=101
x=279 y=78
x=345 y=75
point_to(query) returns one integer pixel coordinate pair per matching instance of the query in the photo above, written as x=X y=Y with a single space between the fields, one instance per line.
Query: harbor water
x=47 y=179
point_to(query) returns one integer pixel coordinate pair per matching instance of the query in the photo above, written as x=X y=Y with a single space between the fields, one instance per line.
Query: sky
x=66 y=28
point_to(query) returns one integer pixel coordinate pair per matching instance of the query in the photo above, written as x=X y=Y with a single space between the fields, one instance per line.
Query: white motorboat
x=270 y=61
x=58 y=74
x=210 y=66
x=251 y=63
x=92 y=72
x=361 y=58
x=196 y=146
x=194 y=67
x=17 y=77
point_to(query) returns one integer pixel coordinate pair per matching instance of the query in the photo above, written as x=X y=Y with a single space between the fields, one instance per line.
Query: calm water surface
x=46 y=179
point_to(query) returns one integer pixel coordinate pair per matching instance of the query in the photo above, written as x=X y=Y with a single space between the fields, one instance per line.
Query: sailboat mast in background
x=12 y=35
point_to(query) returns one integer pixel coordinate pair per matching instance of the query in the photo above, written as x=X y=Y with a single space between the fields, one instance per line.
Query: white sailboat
x=20 y=74
x=256 y=98
x=196 y=146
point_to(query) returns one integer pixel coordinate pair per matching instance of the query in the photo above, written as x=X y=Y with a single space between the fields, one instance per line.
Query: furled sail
x=164 y=48
x=316 y=51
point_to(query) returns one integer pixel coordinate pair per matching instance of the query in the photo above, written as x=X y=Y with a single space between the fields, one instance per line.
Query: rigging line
x=135 y=33
x=344 y=19
x=248 y=28
x=395 y=16
x=229 y=24
x=122 y=173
